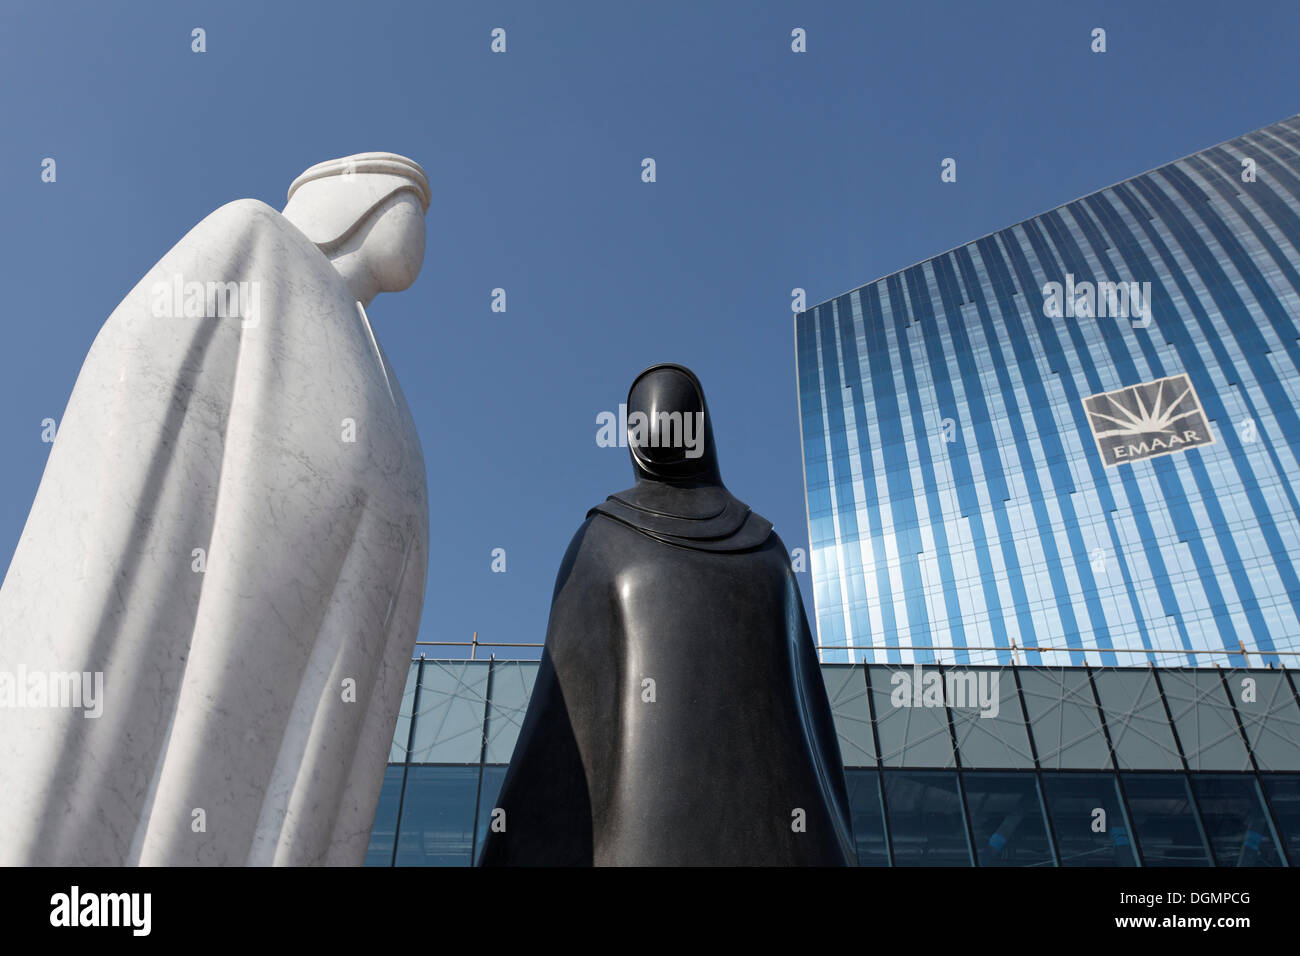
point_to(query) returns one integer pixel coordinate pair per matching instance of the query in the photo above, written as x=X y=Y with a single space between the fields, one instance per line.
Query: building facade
x=971 y=766
x=1073 y=440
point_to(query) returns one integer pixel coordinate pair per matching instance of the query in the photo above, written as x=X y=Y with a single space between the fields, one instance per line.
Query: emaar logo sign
x=1147 y=420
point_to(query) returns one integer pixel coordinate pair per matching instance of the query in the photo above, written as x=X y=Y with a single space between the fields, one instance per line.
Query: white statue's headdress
x=329 y=199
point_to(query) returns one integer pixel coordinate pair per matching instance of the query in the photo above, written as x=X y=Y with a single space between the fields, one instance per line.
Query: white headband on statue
x=327 y=200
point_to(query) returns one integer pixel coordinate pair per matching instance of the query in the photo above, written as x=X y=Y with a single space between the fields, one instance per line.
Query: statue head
x=366 y=214
x=668 y=429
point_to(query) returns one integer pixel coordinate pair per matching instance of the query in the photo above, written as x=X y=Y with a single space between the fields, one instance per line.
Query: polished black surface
x=679 y=715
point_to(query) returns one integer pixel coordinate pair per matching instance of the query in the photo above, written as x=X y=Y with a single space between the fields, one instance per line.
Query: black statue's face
x=666 y=426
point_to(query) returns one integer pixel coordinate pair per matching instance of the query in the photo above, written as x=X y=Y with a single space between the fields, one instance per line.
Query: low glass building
x=972 y=766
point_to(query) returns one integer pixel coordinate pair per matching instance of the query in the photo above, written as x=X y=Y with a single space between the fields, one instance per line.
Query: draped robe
x=247 y=579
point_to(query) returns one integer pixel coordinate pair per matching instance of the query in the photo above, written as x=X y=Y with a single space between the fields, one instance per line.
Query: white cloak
x=227 y=735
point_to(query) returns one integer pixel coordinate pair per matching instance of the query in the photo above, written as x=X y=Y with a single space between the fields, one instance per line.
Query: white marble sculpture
x=232 y=530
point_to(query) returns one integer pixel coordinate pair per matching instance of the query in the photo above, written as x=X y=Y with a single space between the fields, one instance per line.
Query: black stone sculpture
x=679 y=715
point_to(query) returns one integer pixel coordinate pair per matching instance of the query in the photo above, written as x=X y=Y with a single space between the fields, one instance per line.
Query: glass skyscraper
x=1074 y=439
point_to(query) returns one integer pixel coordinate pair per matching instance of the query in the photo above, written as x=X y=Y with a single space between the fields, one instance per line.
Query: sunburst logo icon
x=1147 y=420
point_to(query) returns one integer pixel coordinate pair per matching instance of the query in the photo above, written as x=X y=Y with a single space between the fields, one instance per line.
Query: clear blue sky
x=775 y=170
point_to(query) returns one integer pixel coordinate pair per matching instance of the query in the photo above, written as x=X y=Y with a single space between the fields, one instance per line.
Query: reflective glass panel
x=1283 y=791
x=846 y=689
x=380 y=850
x=1063 y=718
x=402 y=731
x=512 y=683
x=1006 y=819
x=1164 y=819
x=449 y=726
x=489 y=790
x=868 y=822
x=913 y=732
x=1087 y=820
x=437 y=826
x=1135 y=715
x=926 y=824
x=1207 y=727
x=986 y=718
x=1269 y=715
x=1232 y=811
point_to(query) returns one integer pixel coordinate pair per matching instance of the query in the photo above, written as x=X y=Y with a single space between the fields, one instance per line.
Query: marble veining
x=231 y=536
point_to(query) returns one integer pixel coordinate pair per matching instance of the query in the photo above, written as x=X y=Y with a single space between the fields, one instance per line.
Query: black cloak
x=679 y=715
